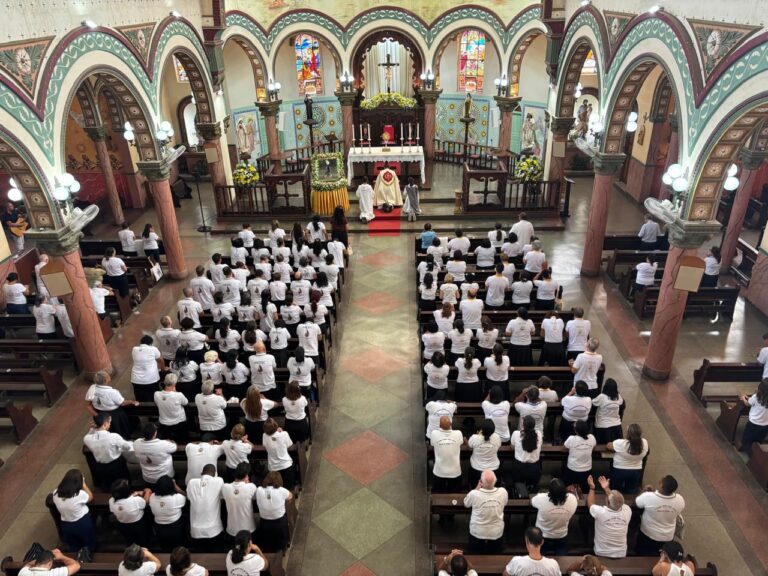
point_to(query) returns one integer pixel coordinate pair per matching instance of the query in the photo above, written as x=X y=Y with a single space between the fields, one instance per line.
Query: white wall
x=534 y=81
x=239 y=86
x=171 y=93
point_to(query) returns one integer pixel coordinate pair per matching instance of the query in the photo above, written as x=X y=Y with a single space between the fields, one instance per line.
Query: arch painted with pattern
x=257 y=62
x=515 y=66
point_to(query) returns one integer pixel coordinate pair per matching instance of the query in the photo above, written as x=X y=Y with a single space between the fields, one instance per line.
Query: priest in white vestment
x=364 y=194
x=387 y=190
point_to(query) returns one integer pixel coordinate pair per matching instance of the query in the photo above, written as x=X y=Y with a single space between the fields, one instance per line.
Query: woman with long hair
x=315 y=231
x=167 y=504
x=555 y=509
x=256 y=410
x=300 y=371
x=496 y=236
x=486 y=335
x=579 y=465
x=757 y=425
x=236 y=376
x=427 y=265
x=460 y=338
x=608 y=415
x=150 y=241
x=627 y=465
x=485 y=444
x=497 y=370
x=187 y=372
x=277 y=441
x=496 y=408
x=436 y=371
x=576 y=406
x=128 y=508
x=71 y=499
x=297 y=233
x=271 y=498
x=468 y=387
x=711 y=268
x=520 y=331
x=427 y=293
x=527 y=444
x=245 y=558
x=227 y=339
x=485 y=255
x=433 y=340
x=546 y=290
x=339 y=226
x=445 y=317
x=295 y=406
x=553 y=349
x=323 y=285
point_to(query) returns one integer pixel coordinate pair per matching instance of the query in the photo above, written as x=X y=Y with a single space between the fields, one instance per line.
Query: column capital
x=690 y=234
x=56 y=242
x=507 y=103
x=155 y=170
x=561 y=125
x=346 y=98
x=429 y=96
x=608 y=164
x=752 y=159
x=209 y=132
x=96 y=133
x=673 y=123
x=268 y=109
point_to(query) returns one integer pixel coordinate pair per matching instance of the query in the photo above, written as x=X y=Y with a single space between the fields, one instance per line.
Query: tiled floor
x=363 y=509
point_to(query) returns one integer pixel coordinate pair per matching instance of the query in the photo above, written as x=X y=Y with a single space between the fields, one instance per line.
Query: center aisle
x=362 y=511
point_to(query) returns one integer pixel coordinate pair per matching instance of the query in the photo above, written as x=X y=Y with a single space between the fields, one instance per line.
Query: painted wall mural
x=616 y=22
x=450 y=107
x=22 y=61
x=716 y=40
x=247 y=129
x=139 y=36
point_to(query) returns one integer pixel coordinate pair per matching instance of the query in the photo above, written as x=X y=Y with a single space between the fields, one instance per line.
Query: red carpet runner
x=385 y=224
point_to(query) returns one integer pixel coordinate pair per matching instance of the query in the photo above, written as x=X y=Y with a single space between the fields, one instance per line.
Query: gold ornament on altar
x=385 y=139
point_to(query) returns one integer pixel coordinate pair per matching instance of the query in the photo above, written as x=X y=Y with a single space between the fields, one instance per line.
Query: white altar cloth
x=377 y=154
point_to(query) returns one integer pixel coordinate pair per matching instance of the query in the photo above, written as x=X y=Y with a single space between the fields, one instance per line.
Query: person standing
x=339 y=226
x=527 y=445
x=107 y=449
x=627 y=466
x=485 y=255
x=145 y=372
x=520 y=331
x=645 y=273
x=128 y=509
x=411 y=207
x=608 y=414
x=486 y=525
x=150 y=241
x=446 y=472
x=204 y=495
x=167 y=339
x=496 y=288
x=426 y=237
x=576 y=406
x=271 y=498
x=45 y=318
x=16 y=225
x=586 y=367
x=172 y=421
x=553 y=351
x=555 y=509
x=580 y=446
x=711 y=268
x=762 y=356
x=277 y=442
x=523 y=229
x=757 y=425
x=98 y=296
x=71 y=499
x=649 y=234
x=15 y=295
x=578 y=331
x=611 y=520
x=203 y=290
x=102 y=398
x=533 y=562
x=485 y=444
x=528 y=403
x=364 y=194
x=661 y=509
x=127 y=240
x=472 y=310
x=155 y=456
x=167 y=504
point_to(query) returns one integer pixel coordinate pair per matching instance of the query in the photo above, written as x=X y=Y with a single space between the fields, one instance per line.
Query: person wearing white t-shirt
x=309 y=335
x=433 y=340
x=586 y=367
x=472 y=310
x=202 y=288
x=576 y=406
x=673 y=561
x=512 y=247
x=98 y=296
x=661 y=509
x=629 y=452
x=533 y=563
x=521 y=290
x=116 y=271
x=201 y=454
x=262 y=366
x=757 y=424
x=101 y=397
x=315 y=230
x=456 y=564
x=460 y=338
x=468 y=387
x=295 y=406
x=468 y=286
x=486 y=524
x=520 y=331
x=485 y=255
x=71 y=499
x=45 y=318
x=497 y=236
x=448 y=291
x=523 y=229
x=457 y=266
x=247 y=236
x=107 y=449
x=204 y=495
x=546 y=290
x=245 y=558
x=496 y=408
x=127 y=239
x=528 y=403
x=338 y=250
x=587 y=565
x=578 y=331
x=436 y=371
x=151 y=241
x=155 y=456
x=553 y=350
x=145 y=371
x=192 y=341
x=649 y=233
x=436 y=408
x=446 y=471
x=527 y=444
x=300 y=370
x=555 y=509
x=437 y=251
x=237 y=449
x=271 y=500
x=138 y=561
x=608 y=415
x=216 y=269
x=15 y=295
x=167 y=338
x=277 y=442
x=497 y=369
x=486 y=335
x=762 y=355
x=42 y=565
x=579 y=465
x=210 y=410
x=535 y=260
x=485 y=444
x=611 y=520
x=229 y=288
x=496 y=287
x=238 y=497
x=128 y=507
x=427 y=293
x=180 y=564
x=460 y=243
x=711 y=268
x=645 y=273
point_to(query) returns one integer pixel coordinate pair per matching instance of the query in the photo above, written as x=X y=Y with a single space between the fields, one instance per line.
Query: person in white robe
x=364 y=194
x=387 y=189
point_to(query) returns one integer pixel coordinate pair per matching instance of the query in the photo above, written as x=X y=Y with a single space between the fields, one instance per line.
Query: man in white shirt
x=762 y=356
x=300 y=289
x=460 y=243
x=201 y=454
x=167 y=338
x=472 y=310
x=127 y=240
x=262 y=367
x=649 y=233
x=43 y=565
x=523 y=229
x=578 y=331
x=257 y=285
x=204 y=495
x=230 y=287
x=155 y=456
x=586 y=366
x=188 y=307
x=216 y=268
x=203 y=289
x=660 y=511
x=107 y=449
x=247 y=236
x=456 y=563
x=170 y=407
x=534 y=562
x=239 y=496
x=337 y=249
x=611 y=520
x=496 y=288
x=486 y=525
x=446 y=473
x=98 y=294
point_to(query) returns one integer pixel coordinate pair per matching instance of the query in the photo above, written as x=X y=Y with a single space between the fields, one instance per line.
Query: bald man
x=486 y=526
x=447 y=469
x=263 y=371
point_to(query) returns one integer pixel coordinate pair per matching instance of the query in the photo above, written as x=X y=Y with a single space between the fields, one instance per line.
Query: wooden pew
x=139 y=276
x=33 y=381
x=37 y=352
x=99 y=247
x=613 y=242
x=705 y=301
x=630 y=258
x=22 y=421
x=106 y=563
x=493 y=565
x=13 y=322
x=743 y=272
x=723 y=372
x=502 y=317
x=728 y=420
x=627 y=281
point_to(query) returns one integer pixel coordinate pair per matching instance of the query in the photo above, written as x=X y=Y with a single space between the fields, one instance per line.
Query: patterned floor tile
x=370 y=405
x=362 y=523
x=366 y=457
x=382 y=259
x=323 y=555
x=378 y=303
x=373 y=364
x=358 y=569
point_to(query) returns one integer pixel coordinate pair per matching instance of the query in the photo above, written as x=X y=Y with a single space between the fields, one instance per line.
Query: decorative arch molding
x=197 y=82
x=590 y=18
x=88 y=104
x=662 y=98
x=114 y=108
x=570 y=74
x=518 y=54
x=359 y=51
x=257 y=62
x=17 y=161
x=450 y=34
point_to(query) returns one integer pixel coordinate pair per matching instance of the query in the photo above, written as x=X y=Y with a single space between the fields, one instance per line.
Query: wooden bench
x=33 y=381
x=630 y=258
x=627 y=281
x=723 y=372
x=493 y=565
x=502 y=317
x=106 y=563
x=99 y=247
x=22 y=421
x=743 y=272
x=139 y=276
x=35 y=352
x=721 y=299
x=14 y=322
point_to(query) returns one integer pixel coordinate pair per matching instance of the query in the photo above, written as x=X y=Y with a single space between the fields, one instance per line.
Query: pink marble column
x=560 y=128
x=606 y=168
x=269 y=111
x=99 y=136
x=673 y=153
x=506 y=106
x=347 y=101
x=757 y=293
x=211 y=135
x=429 y=97
x=666 y=321
x=157 y=173
x=750 y=164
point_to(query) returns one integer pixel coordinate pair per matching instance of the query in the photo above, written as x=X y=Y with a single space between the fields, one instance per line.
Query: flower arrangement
x=393 y=98
x=245 y=175
x=529 y=169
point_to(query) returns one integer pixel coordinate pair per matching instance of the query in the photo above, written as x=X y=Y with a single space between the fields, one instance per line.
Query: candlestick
x=361 y=134
x=370 y=140
x=409 y=131
x=417 y=133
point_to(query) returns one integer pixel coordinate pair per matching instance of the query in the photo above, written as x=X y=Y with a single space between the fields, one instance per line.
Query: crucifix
x=388 y=65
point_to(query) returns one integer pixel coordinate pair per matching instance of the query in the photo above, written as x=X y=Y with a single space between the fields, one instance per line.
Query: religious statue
x=528 y=136
x=468 y=105
x=308 y=106
x=387 y=189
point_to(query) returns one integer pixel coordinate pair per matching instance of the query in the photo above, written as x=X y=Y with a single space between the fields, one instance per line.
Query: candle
x=369 y=132
x=417 y=133
x=361 y=133
x=409 y=130
x=401 y=131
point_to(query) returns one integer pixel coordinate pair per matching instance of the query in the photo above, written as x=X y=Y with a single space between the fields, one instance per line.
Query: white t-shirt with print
x=552 y=519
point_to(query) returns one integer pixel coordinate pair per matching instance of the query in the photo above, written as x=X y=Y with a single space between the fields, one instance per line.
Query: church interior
x=473 y=288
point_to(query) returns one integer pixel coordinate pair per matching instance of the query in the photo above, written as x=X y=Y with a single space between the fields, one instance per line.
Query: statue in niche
x=308 y=106
x=528 y=135
x=468 y=106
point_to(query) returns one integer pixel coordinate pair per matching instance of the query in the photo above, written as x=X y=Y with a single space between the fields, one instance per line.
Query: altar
x=404 y=155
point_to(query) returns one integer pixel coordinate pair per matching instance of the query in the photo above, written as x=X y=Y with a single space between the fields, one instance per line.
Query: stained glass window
x=471 y=61
x=181 y=74
x=308 y=66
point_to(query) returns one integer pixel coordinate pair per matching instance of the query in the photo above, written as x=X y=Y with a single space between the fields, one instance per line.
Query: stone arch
x=17 y=161
x=516 y=59
x=198 y=81
x=452 y=34
x=257 y=62
x=749 y=120
x=322 y=37
x=359 y=50
x=663 y=98
x=570 y=74
x=114 y=108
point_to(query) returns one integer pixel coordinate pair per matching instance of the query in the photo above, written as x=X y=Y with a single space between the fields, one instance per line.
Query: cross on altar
x=388 y=65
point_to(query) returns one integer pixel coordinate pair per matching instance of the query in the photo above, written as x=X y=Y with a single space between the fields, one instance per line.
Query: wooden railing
x=296 y=159
x=271 y=196
x=477 y=156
